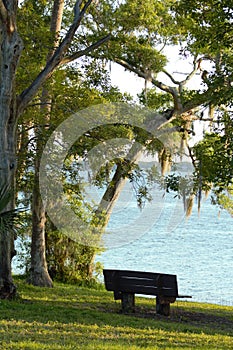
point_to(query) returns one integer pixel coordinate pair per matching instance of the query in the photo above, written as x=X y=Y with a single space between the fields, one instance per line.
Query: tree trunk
x=11 y=47
x=115 y=187
x=110 y=197
x=118 y=181
x=39 y=275
x=11 y=107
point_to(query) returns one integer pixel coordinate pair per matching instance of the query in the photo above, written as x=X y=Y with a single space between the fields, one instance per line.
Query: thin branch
x=181 y=73
x=207 y=120
x=39 y=104
x=194 y=71
x=143 y=75
x=86 y=51
x=171 y=77
x=189 y=76
x=25 y=146
x=169 y=89
x=163 y=46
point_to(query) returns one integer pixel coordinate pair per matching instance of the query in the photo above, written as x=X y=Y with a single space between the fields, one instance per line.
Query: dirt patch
x=193 y=318
x=180 y=315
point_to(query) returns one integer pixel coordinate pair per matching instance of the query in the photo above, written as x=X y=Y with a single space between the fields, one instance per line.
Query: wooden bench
x=125 y=284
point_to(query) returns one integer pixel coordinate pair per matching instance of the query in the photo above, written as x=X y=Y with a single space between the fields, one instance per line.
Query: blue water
x=159 y=238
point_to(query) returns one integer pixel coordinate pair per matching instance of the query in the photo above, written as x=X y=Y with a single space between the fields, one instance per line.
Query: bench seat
x=126 y=283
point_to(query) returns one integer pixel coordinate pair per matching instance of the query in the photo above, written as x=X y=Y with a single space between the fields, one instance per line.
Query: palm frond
x=5 y=196
x=10 y=220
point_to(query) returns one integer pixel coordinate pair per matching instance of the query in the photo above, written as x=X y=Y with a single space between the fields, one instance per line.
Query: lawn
x=72 y=317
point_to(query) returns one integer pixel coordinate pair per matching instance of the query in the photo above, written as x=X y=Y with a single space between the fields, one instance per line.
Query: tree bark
x=11 y=107
x=39 y=275
x=11 y=47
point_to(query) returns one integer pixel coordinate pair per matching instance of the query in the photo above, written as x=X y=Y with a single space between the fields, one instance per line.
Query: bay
x=160 y=239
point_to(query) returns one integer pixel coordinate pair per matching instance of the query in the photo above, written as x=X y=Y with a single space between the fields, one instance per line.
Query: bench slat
x=141 y=282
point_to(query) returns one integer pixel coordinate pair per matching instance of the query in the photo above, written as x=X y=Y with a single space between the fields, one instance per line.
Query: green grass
x=70 y=317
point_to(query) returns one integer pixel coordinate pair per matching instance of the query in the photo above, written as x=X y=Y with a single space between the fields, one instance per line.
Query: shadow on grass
x=72 y=304
x=69 y=317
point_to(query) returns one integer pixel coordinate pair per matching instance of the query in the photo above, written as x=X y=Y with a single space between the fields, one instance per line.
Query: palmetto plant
x=10 y=219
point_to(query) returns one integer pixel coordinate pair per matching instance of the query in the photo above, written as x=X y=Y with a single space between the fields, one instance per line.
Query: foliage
x=79 y=318
x=214 y=160
x=69 y=261
x=34 y=28
x=71 y=88
x=209 y=24
x=209 y=27
x=155 y=100
x=140 y=31
x=10 y=219
x=225 y=200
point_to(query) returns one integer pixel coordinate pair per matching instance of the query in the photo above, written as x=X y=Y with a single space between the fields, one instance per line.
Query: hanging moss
x=165 y=161
x=189 y=205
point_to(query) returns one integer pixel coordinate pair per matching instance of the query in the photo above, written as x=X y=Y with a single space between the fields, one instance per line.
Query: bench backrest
x=139 y=282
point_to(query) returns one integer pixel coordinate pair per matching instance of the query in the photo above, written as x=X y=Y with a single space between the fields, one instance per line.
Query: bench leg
x=162 y=308
x=127 y=302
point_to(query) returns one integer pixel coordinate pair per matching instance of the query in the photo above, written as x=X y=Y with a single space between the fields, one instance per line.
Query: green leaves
x=153 y=19
x=9 y=219
x=215 y=158
x=208 y=22
x=209 y=32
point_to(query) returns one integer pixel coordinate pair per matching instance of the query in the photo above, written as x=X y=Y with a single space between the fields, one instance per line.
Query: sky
x=177 y=66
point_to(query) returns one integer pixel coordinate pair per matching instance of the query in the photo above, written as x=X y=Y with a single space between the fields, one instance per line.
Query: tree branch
x=189 y=76
x=191 y=155
x=179 y=108
x=171 y=77
x=169 y=89
x=203 y=98
x=86 y=51
x=28 y=94
x=194 y=71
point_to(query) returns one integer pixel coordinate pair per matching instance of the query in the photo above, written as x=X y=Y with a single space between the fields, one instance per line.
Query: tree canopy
x=54 y=61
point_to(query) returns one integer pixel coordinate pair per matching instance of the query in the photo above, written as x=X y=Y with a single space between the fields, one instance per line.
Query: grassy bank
x=70 y=317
